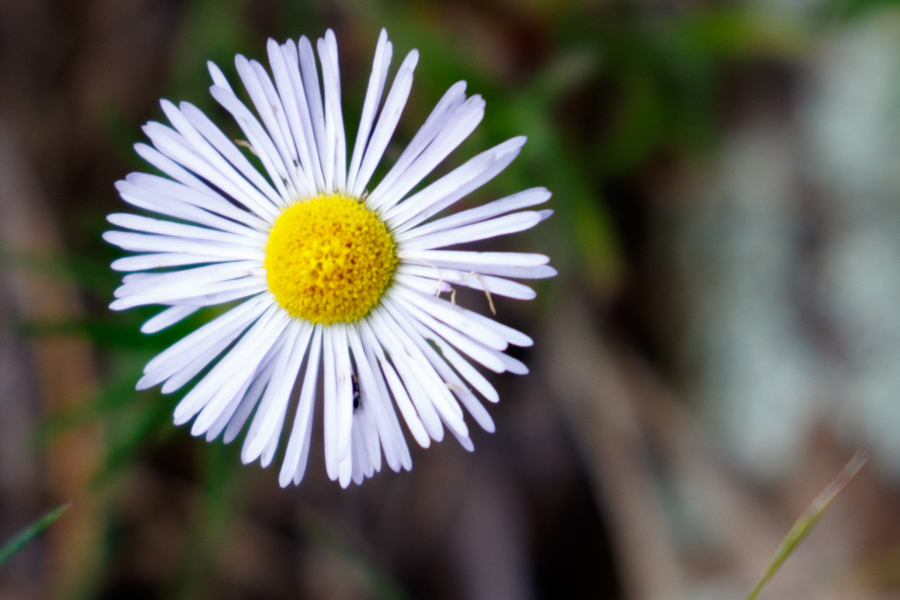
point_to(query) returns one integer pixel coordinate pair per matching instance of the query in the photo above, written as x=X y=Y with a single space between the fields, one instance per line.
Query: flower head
x=336 y=286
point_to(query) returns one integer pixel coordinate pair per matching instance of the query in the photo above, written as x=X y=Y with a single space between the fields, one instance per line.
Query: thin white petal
x=374 y=351
x=310 y=77
x=452 y=316
x=291 y=468
x=175 y=146
x=221 y=408
x=457 y=128
x=249 y=402
x=285 y=71
x=190 y=294
x=181 y=201
x=163 y=227
x=374 y=91
x=245 y=356
x=274 y=404
x=403 y=362
x=434 y=124
x=263 y=197
x=453 y=186
x=143 y=282
x=140 y=242
x=444 y=401
x=329 y=403
x=344 y=409
x=387 y=121
x=167 y=318
x=496 y=208
x=479 y=352
x=334 y=119
x=269 y=108
x=373 y=401
x=228 y=149
x=504 y=225
x=257 y=137
x=217 y=76
x=295 y=79
x=476 y=281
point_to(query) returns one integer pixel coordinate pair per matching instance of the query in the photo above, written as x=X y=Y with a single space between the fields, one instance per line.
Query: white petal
x=192 y=295
x=463 y=366
x=228 y=149
x=329 y=402
x=237 y=318
x=434 y=124
x=182 y=373
x=404 y=363
x=176 y=147
x=495 y=285
x=143 y=262
x=143 y=282
x=344 y=408
x=286 y=72
x=453 y=186
x=274 y=404
x=440 y=395
x=310 y=77
x=374 y=91
x=249 y=402
x=374 y=352
x=163 y=227
x=167 y=318
x=217 y=76
x=387 y=121
x=269 y=108
x=294 y=465
x=455 y=384
x=140 y=242
x=178 y=200
x=496 y=208
x=259 y=140
x=373 y=401
x=504 y=225
x=245 y=356
x=334 y=119
x=482 y=354
x=263 y=197
x=461 y=123
x=452 y=316
x=220 y=410
x=292 y=64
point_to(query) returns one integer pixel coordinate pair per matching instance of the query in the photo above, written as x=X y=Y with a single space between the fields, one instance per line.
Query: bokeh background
x=723 y=334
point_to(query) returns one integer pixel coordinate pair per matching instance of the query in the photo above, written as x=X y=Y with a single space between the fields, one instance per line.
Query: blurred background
x=724 y=332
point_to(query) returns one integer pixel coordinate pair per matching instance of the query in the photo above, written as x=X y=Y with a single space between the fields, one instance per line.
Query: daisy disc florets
x=337 y=287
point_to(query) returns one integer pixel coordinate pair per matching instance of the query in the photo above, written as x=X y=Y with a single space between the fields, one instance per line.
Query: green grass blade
x=810 y=518
x=36 y=529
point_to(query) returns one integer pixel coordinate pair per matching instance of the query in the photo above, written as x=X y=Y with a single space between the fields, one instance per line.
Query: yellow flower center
x=329 y=259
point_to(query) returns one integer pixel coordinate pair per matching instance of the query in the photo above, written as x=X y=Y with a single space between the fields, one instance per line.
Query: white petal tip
x=181 y=417
x=143 y=383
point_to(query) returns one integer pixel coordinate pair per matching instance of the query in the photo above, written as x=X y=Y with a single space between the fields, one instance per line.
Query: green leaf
x=37 y=528
x=810 y=518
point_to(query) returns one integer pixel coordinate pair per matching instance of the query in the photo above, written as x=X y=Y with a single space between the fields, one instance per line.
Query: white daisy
x=338 y=285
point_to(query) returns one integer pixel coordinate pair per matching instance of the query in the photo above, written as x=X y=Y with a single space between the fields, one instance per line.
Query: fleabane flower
x=337 y=282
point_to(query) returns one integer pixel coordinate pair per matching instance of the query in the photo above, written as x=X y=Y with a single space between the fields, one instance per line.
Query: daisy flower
x=338 y=281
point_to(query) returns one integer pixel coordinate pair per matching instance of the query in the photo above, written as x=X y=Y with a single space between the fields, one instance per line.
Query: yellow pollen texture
x=329 y=259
